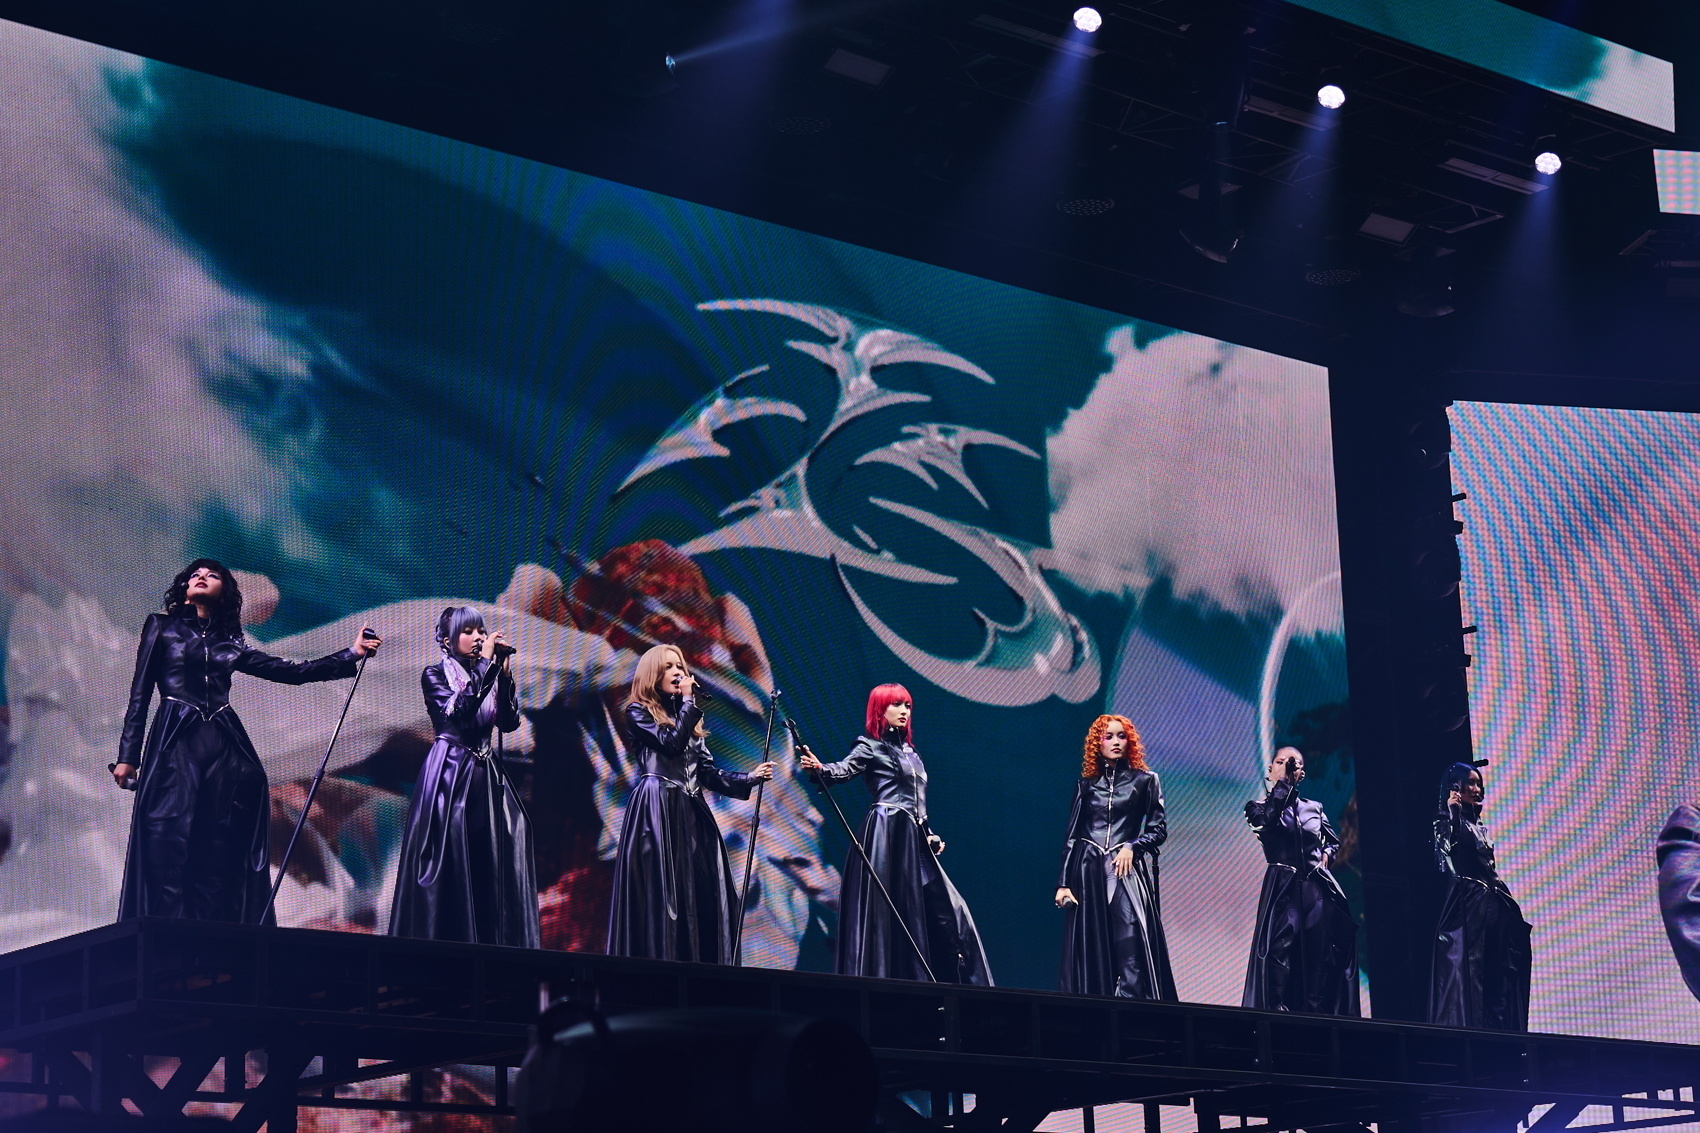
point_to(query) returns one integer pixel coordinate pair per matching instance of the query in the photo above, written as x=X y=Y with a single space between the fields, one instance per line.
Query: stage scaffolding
x=154 y=1015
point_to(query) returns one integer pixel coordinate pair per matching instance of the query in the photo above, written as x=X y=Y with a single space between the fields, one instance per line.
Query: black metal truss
x=317 y=1010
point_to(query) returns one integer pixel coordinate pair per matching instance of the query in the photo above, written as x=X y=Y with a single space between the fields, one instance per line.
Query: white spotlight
x=1088 y=20
x=1549 y=163
x=1331 y=97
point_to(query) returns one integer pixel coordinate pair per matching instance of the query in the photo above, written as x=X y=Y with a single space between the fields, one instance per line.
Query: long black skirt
x=466 y=870
x=1304 y=950
x=198 y=828
x=871 y=944
x=1113 y=942
x=1480 y=974
x=674 y=898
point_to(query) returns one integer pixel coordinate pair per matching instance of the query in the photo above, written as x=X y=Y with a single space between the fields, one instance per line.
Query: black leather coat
x=1113 y=940
x=1480 y=971
x=895 y=834
x=1304 y=949
x=674 y=895
x=198 y=845
x=466 y=870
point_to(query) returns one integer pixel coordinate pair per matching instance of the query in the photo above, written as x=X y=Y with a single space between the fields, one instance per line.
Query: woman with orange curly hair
x=1113 y=941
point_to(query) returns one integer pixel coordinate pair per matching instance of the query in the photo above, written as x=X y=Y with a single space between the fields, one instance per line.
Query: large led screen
x=380 y=372
x=1579 y=567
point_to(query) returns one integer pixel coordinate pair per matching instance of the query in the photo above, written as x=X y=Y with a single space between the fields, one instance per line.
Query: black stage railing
x=145 y=1011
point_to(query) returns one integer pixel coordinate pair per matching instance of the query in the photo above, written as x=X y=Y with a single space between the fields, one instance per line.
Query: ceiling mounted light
x=1331 y=97
x=1088 y=20
x=1548 y=163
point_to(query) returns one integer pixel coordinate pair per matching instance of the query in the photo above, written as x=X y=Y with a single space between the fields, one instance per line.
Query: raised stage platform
x=297 y=1017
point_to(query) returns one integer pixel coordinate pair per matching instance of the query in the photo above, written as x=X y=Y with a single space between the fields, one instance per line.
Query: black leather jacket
x=1115 y=808
x=1463 y=848
x=896 y=776
x=455 y=715
x=1294 y=831
x=671 y=753
x=191 y=662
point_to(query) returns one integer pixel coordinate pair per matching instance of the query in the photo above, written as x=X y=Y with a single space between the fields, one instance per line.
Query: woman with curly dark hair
x=1113 y=942
x=198 y=829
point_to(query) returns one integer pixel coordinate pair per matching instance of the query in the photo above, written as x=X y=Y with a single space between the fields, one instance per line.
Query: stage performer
x=1113 y=941
x=198 y=831
x=904 y=851
x=466 y=869
x=1304 y=950
x=1480 y=974
x=674 y=891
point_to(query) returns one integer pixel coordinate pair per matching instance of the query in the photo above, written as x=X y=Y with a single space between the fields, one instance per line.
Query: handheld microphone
x=368 y=633
x=503 y=649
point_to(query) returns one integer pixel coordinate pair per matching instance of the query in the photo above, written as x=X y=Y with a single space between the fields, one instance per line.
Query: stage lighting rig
x=1330 y=97
x=1088 y=20
x=1548 y=162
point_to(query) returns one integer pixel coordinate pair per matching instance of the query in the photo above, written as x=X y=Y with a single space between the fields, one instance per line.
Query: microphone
x=503 y=649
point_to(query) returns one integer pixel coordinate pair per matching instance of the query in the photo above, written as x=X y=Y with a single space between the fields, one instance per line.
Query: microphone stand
x=307 y=807
x=861 y=851
x=755 y=832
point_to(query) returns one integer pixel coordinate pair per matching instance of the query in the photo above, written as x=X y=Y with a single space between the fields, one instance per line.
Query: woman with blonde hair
x=1113 y=941
x=674 y=893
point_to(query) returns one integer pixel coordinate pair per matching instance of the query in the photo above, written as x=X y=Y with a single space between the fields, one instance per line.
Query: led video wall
x=1579 y=567
x=379 y=372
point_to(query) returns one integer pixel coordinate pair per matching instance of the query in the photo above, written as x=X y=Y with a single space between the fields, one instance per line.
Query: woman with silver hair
x=466 y=868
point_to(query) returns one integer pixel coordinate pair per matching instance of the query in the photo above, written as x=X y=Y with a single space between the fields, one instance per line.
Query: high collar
x=186 y=613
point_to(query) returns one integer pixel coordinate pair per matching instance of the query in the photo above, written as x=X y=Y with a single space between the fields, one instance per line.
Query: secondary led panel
x=1579 y=565
x=1519 y=45
x=1677 y=173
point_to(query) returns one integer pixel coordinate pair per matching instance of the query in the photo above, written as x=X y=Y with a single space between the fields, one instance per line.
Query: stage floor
x=296 y=1016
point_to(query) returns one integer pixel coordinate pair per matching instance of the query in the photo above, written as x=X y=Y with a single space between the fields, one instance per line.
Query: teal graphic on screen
x=381 y=372
x=1520 y=45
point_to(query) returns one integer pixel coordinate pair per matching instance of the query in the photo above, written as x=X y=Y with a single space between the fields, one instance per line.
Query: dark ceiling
x=962 y=134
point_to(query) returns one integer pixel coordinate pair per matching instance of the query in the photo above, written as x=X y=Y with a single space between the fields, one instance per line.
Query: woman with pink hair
x=903 y=853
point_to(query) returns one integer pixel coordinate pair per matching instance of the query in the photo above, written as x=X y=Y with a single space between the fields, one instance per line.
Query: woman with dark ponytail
x=1480 y=976
x=198 y=831
x=466 y=870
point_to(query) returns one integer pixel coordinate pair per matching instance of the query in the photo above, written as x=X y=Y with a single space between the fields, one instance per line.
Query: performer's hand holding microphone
x=496 y=648
x=366 y=642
